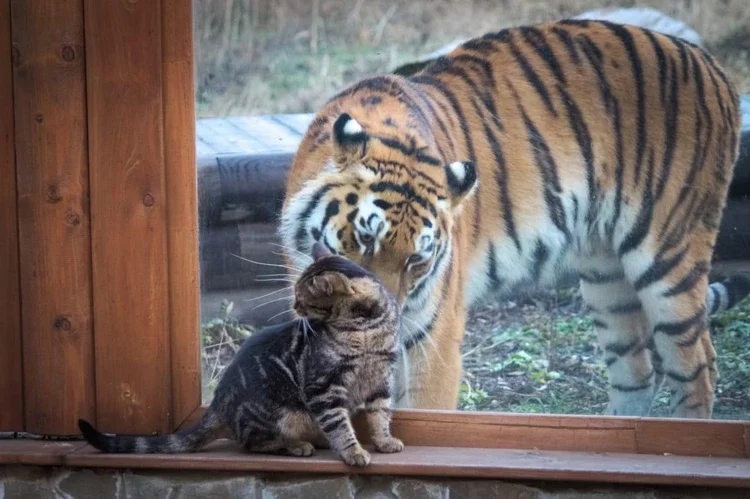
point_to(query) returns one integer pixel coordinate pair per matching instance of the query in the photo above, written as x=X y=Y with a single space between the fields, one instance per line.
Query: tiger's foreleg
x=434 y=364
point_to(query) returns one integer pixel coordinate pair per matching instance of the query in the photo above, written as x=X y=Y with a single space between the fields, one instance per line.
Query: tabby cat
x=295 y=386
x=581 y=145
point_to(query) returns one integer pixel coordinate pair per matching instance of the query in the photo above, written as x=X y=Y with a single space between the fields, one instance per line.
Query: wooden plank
x=691 y=437
x=274 y=136
x=563 y=433
x=129 y=213
x=225 y=138
x=53 y=214
x=296 y=122
x=36 y=452
x=179 y=156
x=11 y=355
x=451 y=462
x=203 y=148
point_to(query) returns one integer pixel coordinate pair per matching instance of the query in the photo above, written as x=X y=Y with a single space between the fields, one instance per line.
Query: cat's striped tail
x=187 y=440
x=723 y=295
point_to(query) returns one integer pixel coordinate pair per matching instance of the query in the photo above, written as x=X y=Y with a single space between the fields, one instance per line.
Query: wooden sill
x=423 y=461
x=486 y=430
x=479 y=445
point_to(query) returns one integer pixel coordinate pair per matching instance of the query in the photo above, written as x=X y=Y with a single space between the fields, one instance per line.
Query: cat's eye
x=367 y=238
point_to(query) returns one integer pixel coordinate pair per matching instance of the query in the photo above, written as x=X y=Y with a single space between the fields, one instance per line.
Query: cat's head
x=334 y=288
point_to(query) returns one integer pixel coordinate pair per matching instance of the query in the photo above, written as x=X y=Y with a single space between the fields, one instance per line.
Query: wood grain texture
x=544 y=432
x=36 y=452
x=435 y=461
x=179 y=155
x=691 y=438
x=452 y=462
x=53 y=214
x=11 y=368
x=129 y=215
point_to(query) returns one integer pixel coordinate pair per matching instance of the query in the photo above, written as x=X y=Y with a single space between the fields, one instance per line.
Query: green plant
x=221 y=337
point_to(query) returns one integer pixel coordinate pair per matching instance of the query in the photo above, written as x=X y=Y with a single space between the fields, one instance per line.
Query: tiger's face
x=384 y=202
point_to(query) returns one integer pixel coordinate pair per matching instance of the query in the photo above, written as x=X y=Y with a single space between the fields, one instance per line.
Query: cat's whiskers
x=307 y=321
x=276 y=315
x=288 y=248
x=288 y=267
x=275 y=279
x=270 y=301
x=288 y=288
x=426 y=336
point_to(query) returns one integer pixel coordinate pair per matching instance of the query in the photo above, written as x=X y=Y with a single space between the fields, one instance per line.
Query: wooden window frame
x=116 y=191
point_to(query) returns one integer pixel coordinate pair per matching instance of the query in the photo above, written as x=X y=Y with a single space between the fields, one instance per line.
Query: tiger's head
x=374 y=190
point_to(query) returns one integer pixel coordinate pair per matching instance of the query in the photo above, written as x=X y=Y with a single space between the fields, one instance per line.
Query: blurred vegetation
x=290 y=56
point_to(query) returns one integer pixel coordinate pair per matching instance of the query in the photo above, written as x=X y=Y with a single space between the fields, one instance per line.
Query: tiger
x=581 y=146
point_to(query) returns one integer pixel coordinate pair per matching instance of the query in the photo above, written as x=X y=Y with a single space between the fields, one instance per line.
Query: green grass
x=553 y=365
x=550 y=364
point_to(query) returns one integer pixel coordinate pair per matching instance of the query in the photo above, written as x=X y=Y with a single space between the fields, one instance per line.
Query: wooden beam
x=129 y=213
x=11 y=355
x=53 y=212
x=179 y=156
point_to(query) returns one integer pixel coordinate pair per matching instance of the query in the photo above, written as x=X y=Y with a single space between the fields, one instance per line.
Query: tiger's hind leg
x=621 y=328
x=672 y=288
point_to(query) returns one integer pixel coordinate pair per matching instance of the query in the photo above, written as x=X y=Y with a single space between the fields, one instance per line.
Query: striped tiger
x=582 y=145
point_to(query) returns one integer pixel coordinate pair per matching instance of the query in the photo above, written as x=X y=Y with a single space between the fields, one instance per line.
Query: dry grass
x=258 y=57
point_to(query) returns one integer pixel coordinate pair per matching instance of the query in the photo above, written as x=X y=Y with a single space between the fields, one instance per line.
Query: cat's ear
x=329 y=284
x=349 y=141
x=319 y=250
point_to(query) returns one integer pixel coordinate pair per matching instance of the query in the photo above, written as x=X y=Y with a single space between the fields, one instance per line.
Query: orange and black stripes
x=604 y=146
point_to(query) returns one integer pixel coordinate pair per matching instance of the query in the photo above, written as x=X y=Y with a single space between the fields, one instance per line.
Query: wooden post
x=179 y=155
x=53 y=214
x=11 y=375
x=129 y=215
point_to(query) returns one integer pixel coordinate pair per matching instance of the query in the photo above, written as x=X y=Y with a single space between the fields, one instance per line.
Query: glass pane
x=265 y=68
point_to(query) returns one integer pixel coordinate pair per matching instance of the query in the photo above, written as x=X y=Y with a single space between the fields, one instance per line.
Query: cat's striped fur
x=295 y=386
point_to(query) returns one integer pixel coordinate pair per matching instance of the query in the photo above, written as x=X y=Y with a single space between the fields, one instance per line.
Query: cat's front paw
x=301 y=449
x=356 y=456
x=389 y=445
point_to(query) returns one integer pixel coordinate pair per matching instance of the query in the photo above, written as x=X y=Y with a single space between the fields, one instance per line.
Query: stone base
x=26 y=482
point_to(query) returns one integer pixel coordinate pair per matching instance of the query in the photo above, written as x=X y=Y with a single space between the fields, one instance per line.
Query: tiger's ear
x=349 y=141
x=462 y=180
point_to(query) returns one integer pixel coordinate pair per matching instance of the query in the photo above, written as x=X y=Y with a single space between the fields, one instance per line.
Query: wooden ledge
x=413 y=461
